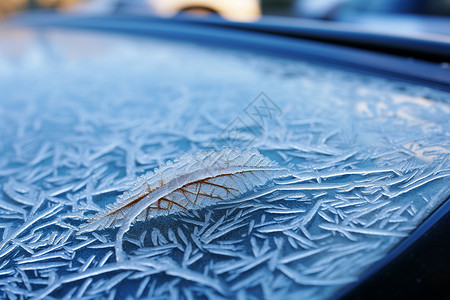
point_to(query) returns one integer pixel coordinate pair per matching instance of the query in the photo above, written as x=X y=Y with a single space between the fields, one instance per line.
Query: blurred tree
x=53 y=3
x=8 y=7
x=277 y=7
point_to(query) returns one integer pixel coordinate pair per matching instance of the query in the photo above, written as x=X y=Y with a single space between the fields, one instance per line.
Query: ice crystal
x=192 y=181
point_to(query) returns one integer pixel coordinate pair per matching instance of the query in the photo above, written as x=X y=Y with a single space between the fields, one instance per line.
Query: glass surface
x=83 y=115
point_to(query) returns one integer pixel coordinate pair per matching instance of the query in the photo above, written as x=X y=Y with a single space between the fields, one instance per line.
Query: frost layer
x=370 y=160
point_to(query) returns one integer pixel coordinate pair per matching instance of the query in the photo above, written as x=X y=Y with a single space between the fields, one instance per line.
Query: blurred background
x=423 y=16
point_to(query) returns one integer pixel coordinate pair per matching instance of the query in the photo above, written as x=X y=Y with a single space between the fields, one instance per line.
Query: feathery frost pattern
x=192 y=181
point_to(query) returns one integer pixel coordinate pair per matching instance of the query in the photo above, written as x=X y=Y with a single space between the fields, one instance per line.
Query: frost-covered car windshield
x=82 y=116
